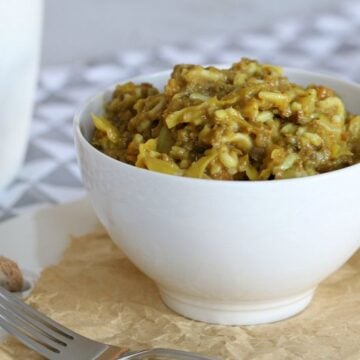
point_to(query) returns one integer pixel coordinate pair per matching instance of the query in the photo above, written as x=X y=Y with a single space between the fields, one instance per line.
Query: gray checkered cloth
x=326 y=42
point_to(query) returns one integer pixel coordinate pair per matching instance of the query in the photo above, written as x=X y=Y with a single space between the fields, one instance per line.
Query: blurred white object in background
x=20 y=34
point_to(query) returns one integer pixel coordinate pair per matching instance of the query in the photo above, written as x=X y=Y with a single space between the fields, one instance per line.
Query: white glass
x=20 y=37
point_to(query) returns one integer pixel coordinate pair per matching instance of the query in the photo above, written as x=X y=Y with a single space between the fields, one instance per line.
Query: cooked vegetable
x=248 y=122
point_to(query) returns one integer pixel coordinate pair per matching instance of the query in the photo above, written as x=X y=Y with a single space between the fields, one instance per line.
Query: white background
x=76 y=30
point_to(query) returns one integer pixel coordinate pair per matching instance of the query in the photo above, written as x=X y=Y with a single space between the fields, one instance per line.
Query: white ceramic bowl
x=224 y=251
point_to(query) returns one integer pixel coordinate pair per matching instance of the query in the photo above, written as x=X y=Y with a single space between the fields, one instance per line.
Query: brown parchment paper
x=97 y=292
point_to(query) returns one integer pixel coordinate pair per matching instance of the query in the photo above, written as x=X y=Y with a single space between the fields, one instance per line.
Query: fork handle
x=173 y=354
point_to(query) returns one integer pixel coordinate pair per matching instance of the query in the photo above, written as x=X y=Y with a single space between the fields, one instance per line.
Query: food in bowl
x=247 y=122
x=228 y=252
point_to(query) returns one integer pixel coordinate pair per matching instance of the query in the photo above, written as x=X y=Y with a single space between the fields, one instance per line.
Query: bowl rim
x=187 y=180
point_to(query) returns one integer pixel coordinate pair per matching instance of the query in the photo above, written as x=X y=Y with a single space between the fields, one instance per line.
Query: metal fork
x=56 y=342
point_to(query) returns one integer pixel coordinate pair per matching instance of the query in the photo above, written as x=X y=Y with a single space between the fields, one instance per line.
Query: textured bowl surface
x=221 y=251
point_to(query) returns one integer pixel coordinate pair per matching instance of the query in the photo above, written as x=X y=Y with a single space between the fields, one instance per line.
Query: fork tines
x=31 y=327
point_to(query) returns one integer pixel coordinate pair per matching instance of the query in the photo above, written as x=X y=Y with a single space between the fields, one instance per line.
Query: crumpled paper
x=96 y=291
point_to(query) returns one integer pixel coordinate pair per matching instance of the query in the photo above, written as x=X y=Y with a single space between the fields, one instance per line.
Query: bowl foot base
x=241 y=313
